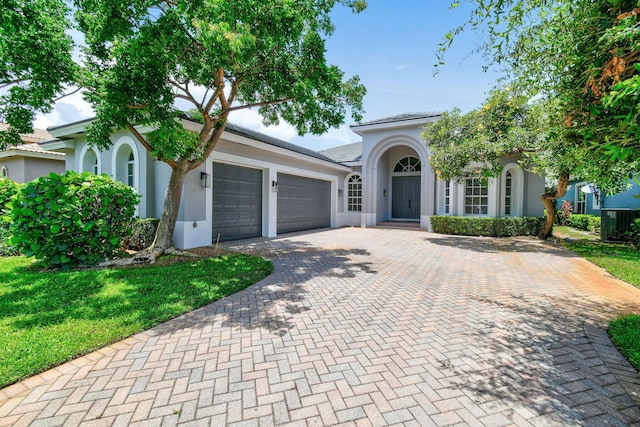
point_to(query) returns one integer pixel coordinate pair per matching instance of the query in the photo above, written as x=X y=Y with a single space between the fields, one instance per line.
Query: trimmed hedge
x=142 y=234
x=589 y=223
x=490 y=227
x=72 y=219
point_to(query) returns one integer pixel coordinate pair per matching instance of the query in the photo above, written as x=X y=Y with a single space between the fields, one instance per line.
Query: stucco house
x=28 y=161
x=254 y=185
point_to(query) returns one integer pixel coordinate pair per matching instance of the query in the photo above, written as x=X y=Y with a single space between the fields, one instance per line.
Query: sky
x=392 y=46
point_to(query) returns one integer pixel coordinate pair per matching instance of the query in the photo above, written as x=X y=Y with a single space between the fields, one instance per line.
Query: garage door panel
x=303 y=203
x=237 y=202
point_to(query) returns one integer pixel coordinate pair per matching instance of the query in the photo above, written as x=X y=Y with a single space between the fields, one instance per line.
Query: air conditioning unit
x=615 y=222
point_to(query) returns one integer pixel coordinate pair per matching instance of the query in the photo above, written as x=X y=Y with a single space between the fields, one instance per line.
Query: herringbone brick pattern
x=367 y=327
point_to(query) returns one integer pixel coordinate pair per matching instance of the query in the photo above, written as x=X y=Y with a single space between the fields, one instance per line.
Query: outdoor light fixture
x=339 y=193
x=205 y=182
x=591 y=189
x=385 y=193
x=274 y=186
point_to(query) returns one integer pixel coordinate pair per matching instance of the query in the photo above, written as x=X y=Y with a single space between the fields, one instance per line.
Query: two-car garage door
x=303 y=203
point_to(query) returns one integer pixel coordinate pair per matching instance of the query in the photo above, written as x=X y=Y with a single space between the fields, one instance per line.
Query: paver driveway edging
x=367 y=327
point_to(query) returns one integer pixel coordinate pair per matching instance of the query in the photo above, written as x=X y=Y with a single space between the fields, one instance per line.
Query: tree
x=578 y=58
x=36 y=62
x=143 y=58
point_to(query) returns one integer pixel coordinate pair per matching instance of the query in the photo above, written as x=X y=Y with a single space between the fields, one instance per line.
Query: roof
x=35 y=136
x=239 y=130
x=345 y=153
x=30 y=147
x=400 y=118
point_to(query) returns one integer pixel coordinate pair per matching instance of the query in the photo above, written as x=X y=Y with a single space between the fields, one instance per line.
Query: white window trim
x=464 y=196
x=346 y=187
x=128 y=142
x=576 y=197
x=517 y=189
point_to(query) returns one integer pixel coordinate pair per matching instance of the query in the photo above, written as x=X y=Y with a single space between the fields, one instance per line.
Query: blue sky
x=392 y=47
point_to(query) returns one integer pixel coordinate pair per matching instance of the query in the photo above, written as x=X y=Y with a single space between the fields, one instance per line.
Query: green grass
x=49 y=317
x=625 y=334
x=623 y=262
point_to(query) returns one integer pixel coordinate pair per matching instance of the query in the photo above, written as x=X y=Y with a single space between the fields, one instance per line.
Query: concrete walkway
x=367 y=327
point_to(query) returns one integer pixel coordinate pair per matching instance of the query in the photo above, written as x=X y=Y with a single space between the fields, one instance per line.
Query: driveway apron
x=367 y=327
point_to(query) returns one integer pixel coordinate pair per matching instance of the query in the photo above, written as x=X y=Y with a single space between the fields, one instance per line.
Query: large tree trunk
x=163 y=241
x=549 y=202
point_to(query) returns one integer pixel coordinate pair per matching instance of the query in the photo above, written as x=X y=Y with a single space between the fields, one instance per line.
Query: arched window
x=4 y=173
x=90 y=162
x=512 y=190
x=126 y=167
x=508 y=188
x=447 y=197
x=131 y=163
x=408 y=164
x=354 y=193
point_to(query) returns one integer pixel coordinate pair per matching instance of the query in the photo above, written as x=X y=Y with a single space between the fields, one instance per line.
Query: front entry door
x=405 y=197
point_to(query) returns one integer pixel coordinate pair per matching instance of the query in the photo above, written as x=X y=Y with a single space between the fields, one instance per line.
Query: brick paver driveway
x=367 y=327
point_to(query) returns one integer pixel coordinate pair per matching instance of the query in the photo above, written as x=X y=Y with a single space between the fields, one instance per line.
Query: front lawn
x=623 y=262
x=50 y=317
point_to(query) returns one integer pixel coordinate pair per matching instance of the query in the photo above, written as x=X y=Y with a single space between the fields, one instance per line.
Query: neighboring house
x=254 y=185
x=585 y=198
x=28 y=161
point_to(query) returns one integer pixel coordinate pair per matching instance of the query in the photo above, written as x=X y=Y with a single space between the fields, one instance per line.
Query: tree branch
x=146 y=145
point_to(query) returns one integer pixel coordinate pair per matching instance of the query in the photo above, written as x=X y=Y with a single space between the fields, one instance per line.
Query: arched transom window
x=354 y=193
x=408 y=164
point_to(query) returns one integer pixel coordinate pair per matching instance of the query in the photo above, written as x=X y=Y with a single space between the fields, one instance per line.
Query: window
x=90 y=162
x=508 y=187
x=476 y=198
x=131 y=161
x=447 y=197
x=408 y=164
x=581 y=199
x=4 y=173
x=354 y=193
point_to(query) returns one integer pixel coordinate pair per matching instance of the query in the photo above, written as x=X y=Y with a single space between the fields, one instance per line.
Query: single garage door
x=237 y=202
x=303 y=203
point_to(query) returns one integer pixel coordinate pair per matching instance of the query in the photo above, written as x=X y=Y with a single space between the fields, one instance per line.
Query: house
x=255 y=185
x=585 y=198
x=28 y=161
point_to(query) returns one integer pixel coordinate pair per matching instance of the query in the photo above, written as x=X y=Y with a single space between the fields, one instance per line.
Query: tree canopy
x=583 y=54
x=147 y=61
x=572 y=108
x=36 y=63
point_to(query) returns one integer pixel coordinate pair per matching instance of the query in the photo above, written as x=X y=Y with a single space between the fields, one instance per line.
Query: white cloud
x=68 y=110
x=250 y=119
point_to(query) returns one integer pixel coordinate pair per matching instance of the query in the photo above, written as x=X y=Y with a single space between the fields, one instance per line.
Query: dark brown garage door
x=303 y=203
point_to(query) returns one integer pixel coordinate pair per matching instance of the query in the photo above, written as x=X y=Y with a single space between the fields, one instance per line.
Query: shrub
x=8 y=191
x=634 y=233
x=589 y=223
x=143 y=231
x=494 y=227
x=564 y=213
x=72 y=219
